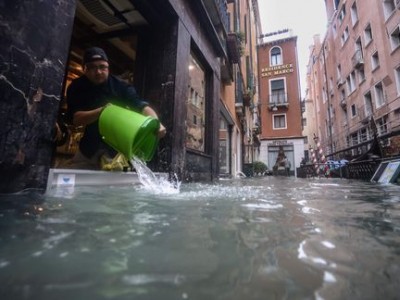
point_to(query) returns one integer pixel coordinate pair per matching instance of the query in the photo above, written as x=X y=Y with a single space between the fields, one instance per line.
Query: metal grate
x=96 y=8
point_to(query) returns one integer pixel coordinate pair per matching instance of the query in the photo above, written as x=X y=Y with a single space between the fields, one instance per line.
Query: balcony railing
x=277 y=100
x=218 y=12
x=358 y=59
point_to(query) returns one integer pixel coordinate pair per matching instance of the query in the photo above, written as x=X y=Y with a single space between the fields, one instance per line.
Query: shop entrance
x=115 y=26
x=281 y=158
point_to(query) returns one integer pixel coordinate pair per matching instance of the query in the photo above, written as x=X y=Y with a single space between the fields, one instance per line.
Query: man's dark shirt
x=83 y=95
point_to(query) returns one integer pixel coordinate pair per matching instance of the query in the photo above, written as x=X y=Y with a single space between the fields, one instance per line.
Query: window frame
x=389 y=7
x=279 y=58
x=378 y=95
x=196 y=121
x=354 y=14
x=273 y=121
x=396 y=38
x=284 y=91
x=397 y=77
x=368 y=36
x=375 y=63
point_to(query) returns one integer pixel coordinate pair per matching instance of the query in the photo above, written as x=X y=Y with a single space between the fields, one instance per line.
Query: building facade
x=280 y=110
x=192 y=60
x=239 y=98
x=354 y=79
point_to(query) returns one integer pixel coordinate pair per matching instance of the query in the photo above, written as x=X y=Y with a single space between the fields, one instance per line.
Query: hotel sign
x=277 y=70
x=280 y=143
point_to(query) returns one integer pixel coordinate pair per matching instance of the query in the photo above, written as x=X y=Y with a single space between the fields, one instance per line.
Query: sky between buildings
x=304 y=17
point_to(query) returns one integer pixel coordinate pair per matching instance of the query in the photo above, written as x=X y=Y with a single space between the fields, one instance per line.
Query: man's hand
x=162 y=131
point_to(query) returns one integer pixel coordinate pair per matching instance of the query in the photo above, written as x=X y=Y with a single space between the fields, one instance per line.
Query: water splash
x=151 y=182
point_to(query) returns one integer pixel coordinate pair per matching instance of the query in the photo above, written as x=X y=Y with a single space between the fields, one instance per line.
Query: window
x=195 y=132
x=354 y=14
x=279 y=121
x=375 y=61
x=359 y=50
x=363 y=134
x=351 y=82
x=395 y=38
x=345 y=35
x=339 y=74
x=379 y=95
x=342 y=14
x=276 y=56
x=353 y=110
x=335 y=4
x=354 y=139
x=397 y=75
x=382 y=125
x=361 y=74
x=224 y=142
x=388 y=8
x=368 y=34
x=368 y=104
x=278 y=95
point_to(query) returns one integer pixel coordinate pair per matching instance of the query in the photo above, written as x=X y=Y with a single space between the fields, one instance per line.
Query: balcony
x=233 y=46
x=357 y=59
x=218 y=12
x=278 y=100
x=276 y=106
x=340 y=81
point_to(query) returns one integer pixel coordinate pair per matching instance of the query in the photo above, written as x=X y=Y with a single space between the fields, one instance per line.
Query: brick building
x=353 y=87
x=280 y=111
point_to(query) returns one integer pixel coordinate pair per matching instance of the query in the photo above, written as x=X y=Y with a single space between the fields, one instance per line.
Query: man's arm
x=86 y=117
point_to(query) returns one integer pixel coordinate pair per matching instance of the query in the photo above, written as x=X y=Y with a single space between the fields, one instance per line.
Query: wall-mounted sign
x=279 y=143
x=277 y=70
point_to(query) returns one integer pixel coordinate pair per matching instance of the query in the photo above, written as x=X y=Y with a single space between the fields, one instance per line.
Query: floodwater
x=259 y=238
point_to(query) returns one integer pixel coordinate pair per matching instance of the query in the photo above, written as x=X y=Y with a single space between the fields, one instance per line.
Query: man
x=86 y=98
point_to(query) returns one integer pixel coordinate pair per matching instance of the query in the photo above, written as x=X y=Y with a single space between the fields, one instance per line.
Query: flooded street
x=261 y=238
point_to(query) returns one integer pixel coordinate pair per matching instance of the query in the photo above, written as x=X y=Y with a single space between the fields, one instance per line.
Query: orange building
x=280 y=111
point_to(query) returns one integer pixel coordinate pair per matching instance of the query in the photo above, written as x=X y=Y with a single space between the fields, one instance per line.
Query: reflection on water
x=265 y=238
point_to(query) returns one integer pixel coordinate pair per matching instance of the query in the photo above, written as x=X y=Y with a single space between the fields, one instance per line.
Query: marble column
x=34 y=44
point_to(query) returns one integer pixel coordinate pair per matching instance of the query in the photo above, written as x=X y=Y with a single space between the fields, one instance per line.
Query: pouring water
x=153 y=183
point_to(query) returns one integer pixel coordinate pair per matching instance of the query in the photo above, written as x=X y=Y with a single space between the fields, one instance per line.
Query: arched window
x=276 y=56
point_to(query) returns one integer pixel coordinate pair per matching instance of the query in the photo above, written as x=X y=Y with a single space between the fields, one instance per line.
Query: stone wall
x=34 y=43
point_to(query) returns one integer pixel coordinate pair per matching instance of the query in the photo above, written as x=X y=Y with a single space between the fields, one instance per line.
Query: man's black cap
x=93 y=54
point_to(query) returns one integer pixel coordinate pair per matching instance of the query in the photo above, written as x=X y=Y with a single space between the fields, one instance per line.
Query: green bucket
x=129 y=132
